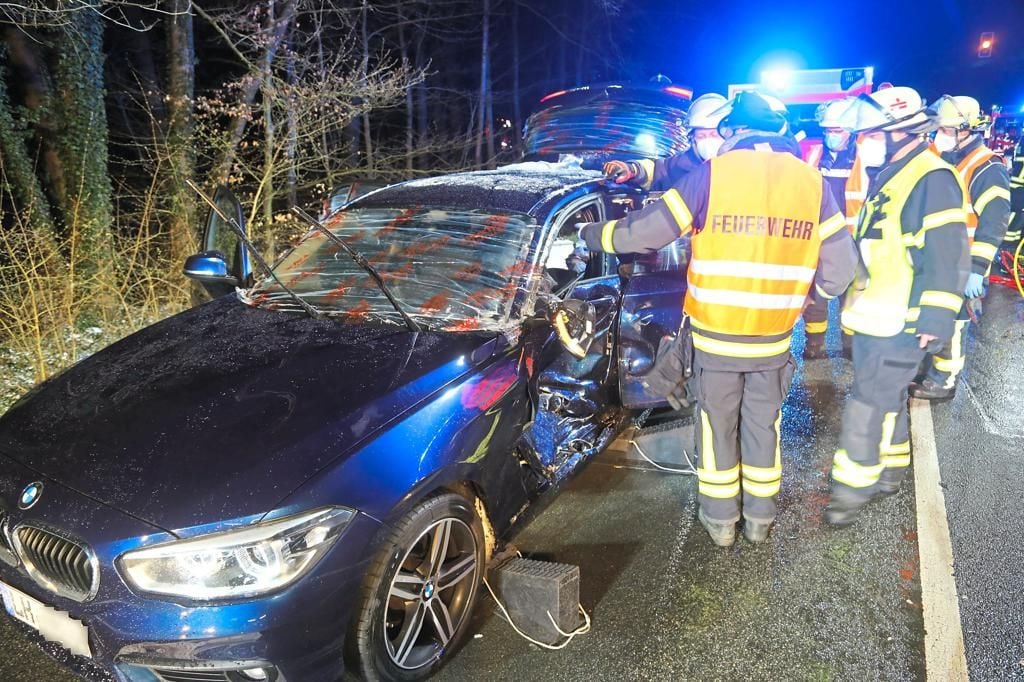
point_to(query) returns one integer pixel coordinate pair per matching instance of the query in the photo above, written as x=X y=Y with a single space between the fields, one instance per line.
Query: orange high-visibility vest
x=813 y=153
x=754 y=259
x=967 y=167
x=856 y=193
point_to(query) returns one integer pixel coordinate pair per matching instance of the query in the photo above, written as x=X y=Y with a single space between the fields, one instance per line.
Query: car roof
x=677 y=96
x=532 y=187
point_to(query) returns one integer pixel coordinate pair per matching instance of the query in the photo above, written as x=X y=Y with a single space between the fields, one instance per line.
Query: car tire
x=406 y=587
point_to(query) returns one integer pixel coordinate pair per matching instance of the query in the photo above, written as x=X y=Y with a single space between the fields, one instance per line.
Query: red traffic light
x=985 y=44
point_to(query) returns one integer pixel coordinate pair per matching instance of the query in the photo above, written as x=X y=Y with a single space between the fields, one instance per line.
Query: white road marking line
x=945 y=660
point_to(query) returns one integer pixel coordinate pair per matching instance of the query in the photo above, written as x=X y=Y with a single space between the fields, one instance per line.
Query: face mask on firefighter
x=871 y=150
x=945 y=142
x=707 y=148
x=836 y=140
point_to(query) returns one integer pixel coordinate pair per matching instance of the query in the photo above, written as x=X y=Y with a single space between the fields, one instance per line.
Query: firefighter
x=765 y=230
x=835 y=160
x=912 y=237
x=959 y=141
x=659 y=174
x=1013 y=233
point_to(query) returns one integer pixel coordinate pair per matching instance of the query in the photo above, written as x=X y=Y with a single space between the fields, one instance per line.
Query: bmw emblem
x=30 y=495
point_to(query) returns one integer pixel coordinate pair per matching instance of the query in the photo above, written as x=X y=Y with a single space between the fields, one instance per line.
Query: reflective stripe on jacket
x=884 y=300
x=754 y=262
x=759 y=242
x=988 y=205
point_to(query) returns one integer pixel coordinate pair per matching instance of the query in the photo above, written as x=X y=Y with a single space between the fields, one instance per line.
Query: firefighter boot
x=756 y=531
x=930 y=390
x=843 y=507
x=814 y=348
x=847 y=346
x=722 y=534
x=888 y=487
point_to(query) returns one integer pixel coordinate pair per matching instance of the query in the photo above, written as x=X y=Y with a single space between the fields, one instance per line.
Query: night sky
x=928 y=45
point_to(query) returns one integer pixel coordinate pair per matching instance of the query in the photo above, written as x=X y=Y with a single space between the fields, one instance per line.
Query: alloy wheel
x=429 y=596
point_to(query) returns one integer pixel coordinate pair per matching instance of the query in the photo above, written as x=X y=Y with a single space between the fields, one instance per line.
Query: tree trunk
x=485 y=64
x=182 y=226
x=17 y=173
x=292 y=149
x=237 y=128
x=325 y=145
x=423 y=104
x=517 y=112
x=365 y=71
x=410 y=115
x=34 y=80
x=80 y=107
x=269 y=143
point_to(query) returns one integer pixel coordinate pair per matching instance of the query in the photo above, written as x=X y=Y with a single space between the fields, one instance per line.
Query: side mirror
x=210 y=268
x=219 y=237
x=223 y=262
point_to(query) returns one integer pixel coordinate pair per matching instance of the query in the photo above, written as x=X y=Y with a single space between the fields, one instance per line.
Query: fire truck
x=803 y=91
x=1006 y=129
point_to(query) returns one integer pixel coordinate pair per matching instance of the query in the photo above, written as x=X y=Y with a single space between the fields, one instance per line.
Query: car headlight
x=240 y=563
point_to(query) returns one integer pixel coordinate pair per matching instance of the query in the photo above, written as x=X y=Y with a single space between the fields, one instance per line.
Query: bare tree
x=180 y=128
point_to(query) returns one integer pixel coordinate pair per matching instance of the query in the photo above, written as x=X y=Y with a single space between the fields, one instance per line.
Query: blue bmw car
x=308 y=474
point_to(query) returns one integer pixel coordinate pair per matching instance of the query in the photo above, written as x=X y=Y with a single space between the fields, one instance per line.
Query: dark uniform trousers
x=874 y=445
x=737 y=429
x=816 y=320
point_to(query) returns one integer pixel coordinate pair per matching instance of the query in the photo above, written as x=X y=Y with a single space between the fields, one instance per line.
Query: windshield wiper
x=360 y=260
x=240 y=233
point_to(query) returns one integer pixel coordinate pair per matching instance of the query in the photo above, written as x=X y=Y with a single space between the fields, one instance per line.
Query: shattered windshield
x=449 y=269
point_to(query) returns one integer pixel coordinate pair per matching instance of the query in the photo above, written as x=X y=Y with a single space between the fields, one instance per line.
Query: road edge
x=945 y=656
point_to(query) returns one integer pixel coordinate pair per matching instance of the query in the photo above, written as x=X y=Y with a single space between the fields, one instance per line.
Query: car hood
x=219 y=412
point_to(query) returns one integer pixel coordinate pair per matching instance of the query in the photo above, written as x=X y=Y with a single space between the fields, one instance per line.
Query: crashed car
x=309 y=473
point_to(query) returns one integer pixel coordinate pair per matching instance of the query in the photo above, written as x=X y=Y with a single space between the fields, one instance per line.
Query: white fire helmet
x=829 y=114
x=888 y=110
x=704 y=111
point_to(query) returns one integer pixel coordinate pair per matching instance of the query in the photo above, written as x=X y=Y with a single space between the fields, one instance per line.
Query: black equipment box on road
x=531 y=589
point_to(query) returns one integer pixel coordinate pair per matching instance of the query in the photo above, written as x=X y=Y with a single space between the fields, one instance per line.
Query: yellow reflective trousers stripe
x=707 y=443
x=719 y=477
x=816 y=327
x=721 y=492
x=845 y=470
x=896 y=461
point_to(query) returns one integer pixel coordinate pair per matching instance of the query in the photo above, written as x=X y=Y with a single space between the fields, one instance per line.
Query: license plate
x=56 y=626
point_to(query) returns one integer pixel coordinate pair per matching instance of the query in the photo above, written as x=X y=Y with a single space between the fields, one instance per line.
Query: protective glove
x=622 y=172
x=975 y=286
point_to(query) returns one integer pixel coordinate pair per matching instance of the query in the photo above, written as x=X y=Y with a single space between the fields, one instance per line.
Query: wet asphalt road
x=983 y=474
x=813 y=603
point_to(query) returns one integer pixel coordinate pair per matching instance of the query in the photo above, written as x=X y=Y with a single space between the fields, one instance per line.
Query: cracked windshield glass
x=449 y=269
